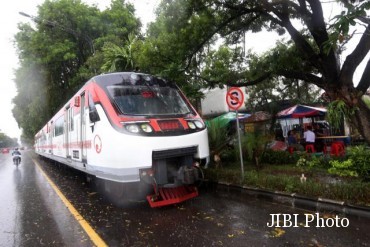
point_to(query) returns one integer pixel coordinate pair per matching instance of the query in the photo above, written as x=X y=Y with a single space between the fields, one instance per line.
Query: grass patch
x=286 y=178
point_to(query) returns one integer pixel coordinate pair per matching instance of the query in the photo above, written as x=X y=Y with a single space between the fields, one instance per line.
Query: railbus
x=135 y=134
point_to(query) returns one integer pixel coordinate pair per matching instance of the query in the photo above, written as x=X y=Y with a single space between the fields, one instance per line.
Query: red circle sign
x=234 y=98
x=98 y=144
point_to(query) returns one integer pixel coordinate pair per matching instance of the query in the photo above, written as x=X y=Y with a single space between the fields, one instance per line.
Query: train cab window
x=93 y=113
x=146 y=100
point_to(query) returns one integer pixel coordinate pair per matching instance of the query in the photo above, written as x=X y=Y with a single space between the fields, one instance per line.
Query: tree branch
x=307 y=77
x=250 y=82
x=211 y=34
x=297 y=37
x=364 y=83
x=354 y=59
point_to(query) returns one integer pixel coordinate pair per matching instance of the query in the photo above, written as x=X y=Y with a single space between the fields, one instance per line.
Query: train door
x=70 y=127
x=50 y=137
x=83 y=126
x=66 y=131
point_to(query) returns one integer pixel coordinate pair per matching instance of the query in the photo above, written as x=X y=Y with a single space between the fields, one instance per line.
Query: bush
x=356 y=163
x=354 y=191
x=360 y=157
x=279 y=157
x=230 y=155
x=342 y=168
x=217 y=135
x=254 y=145
x=319 y=162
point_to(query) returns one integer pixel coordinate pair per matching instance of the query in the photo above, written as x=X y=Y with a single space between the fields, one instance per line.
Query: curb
x=300 y=201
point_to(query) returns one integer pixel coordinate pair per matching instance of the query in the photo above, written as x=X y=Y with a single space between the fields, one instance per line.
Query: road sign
x=234 y=98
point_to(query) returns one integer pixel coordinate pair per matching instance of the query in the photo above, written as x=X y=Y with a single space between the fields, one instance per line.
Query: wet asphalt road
x=31 y=212
x=33 y=215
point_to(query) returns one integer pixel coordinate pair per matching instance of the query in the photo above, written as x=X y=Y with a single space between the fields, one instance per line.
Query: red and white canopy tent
x=302 y=111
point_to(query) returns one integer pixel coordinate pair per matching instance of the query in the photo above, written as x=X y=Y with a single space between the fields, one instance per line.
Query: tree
x=61 y=52
x=276 y=90
x=317 y=45
x=6 y=141
x=118 y=58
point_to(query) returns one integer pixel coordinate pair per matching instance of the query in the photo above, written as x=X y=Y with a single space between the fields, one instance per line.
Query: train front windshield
x=145 y=100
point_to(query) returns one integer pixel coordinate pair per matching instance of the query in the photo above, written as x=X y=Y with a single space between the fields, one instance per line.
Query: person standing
x=309 y=136
x=319 y=143
x=292 y=141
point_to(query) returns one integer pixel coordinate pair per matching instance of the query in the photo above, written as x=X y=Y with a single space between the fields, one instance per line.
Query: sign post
x=235 y=99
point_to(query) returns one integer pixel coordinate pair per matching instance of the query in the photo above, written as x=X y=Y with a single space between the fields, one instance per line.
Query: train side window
x=71 y=122
x=59 y=126
x=93 y=113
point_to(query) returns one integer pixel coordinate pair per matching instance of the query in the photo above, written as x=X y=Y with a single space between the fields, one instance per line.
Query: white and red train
x=129 y=130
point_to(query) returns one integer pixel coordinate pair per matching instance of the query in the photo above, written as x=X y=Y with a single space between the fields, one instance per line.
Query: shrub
x=360 y=157
x=356 y=164
x=230 y=155
x=319 y=161
x=302 y=162
x=278 y=157
x=342 y=168
x=253 y=145
x=353 y=191
x=217 y=135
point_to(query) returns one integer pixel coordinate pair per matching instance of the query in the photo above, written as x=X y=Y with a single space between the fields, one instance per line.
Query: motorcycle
x=17 y=159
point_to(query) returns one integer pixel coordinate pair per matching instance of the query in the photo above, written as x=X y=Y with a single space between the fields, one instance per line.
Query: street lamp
x=61 y=27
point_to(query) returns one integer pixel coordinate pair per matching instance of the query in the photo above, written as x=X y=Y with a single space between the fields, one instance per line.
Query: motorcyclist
x=16 y=155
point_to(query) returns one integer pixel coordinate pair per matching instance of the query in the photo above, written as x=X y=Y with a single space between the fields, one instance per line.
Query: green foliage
x=217 y=135
x=273 y=157
x=355 y=164
x=283 y=57
x=312 y=161
x=302 y=162
x=227 y=175
x=271 y=178
x=319 y=161
x=253 y=146
x=360 y=156
x=229 y=155
x=180 y=45
x=6 y=141
x=119 y=58
x=366 y=99
x=339 y=31
x=357 y=192
x=63 y=51
x=72 y=42
x=337 y=111
x=222 y=66
x=342 y=168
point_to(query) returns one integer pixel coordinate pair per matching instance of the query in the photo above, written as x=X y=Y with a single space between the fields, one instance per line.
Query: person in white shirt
x=309 y=136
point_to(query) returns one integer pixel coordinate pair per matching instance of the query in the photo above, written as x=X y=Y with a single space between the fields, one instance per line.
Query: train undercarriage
x=173 y=178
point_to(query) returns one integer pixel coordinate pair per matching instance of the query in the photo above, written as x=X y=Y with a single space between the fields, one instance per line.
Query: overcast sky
x=10 y=17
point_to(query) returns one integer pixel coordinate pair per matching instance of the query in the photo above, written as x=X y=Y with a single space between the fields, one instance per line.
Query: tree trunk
x=361 y=120
x=353 y=99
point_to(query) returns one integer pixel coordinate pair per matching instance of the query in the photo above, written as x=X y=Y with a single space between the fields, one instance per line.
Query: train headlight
x=191 y=125
x=133 y=128
x=146 y=128
x=199 y=124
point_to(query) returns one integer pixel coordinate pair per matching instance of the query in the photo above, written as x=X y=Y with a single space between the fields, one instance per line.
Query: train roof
x=131 y=78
